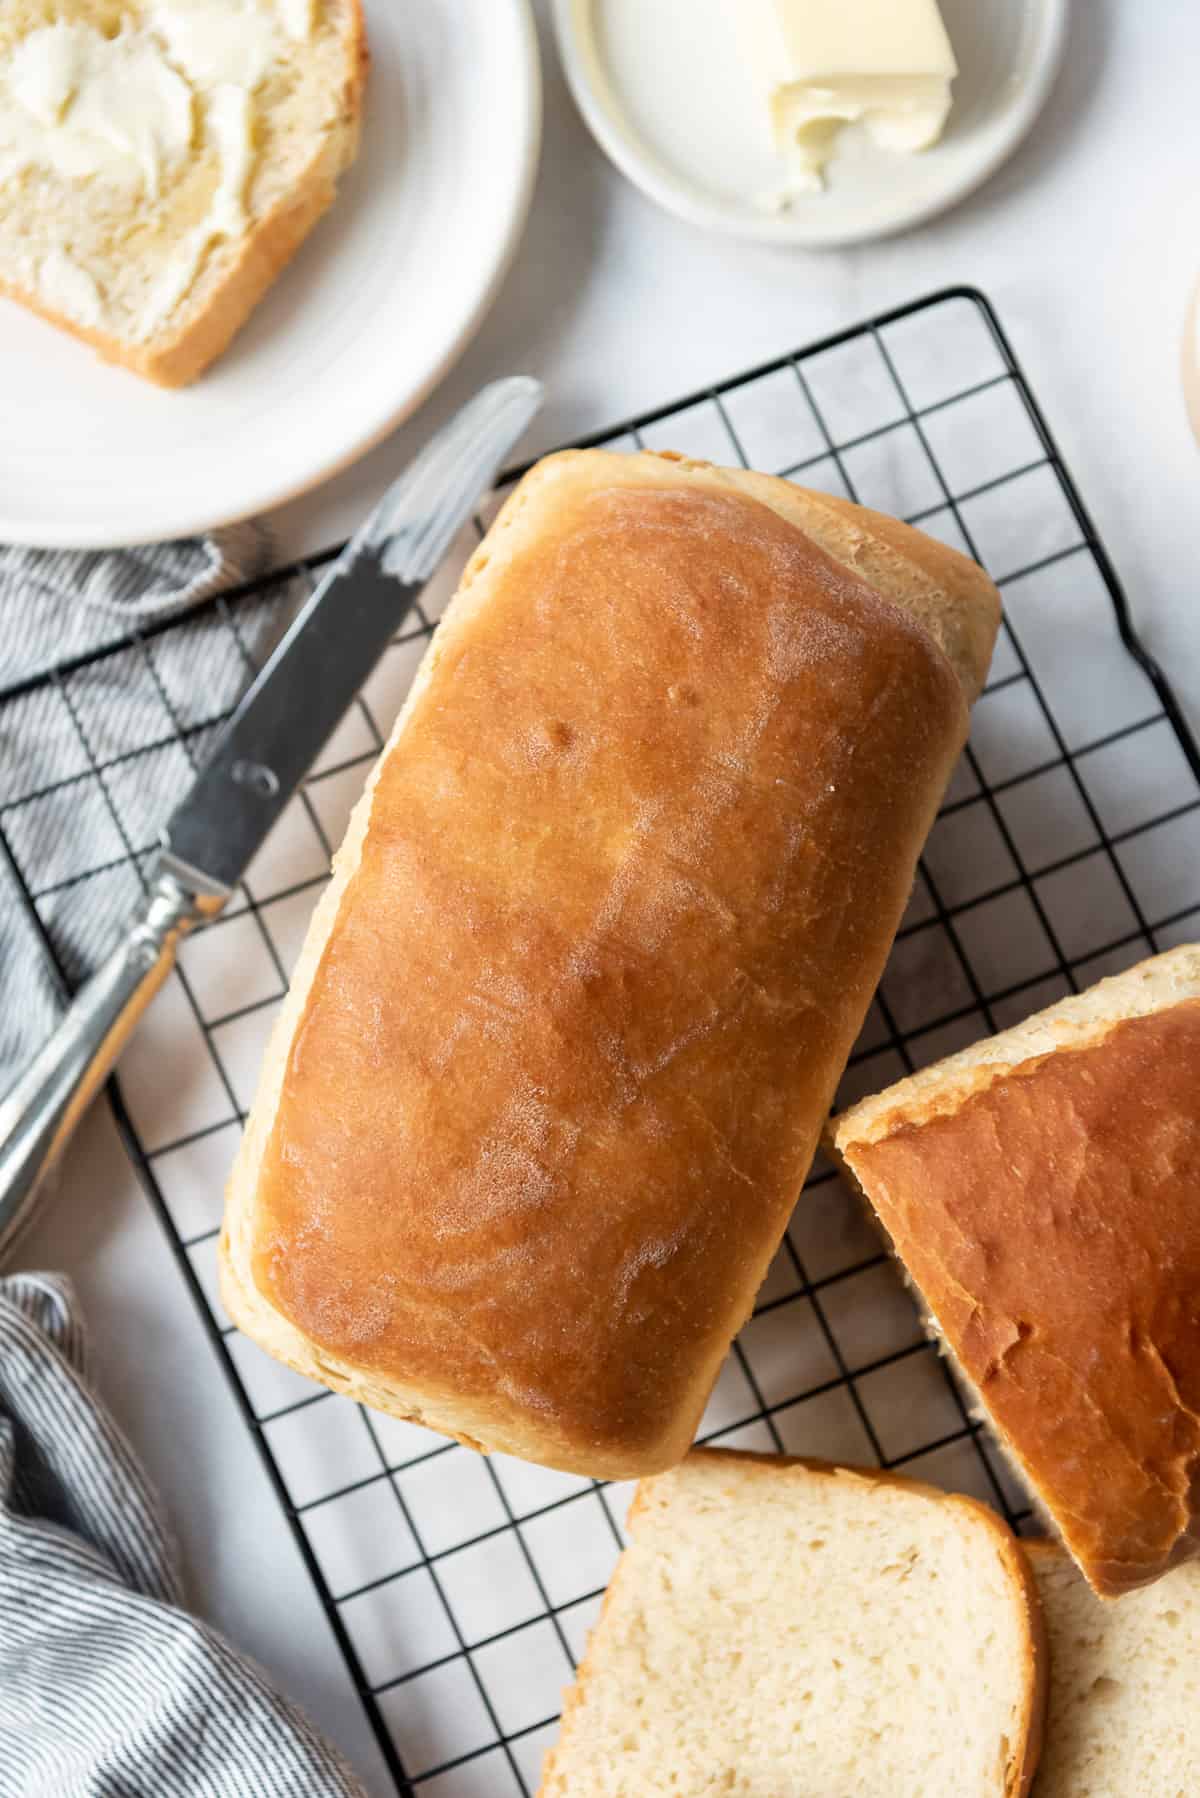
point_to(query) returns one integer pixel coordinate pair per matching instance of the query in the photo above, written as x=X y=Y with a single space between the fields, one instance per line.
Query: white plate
x=1191 y=361
x=667 y=94
x=379 y=302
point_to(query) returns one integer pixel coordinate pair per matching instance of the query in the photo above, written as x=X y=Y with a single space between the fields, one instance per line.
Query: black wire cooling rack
x=460 y=1589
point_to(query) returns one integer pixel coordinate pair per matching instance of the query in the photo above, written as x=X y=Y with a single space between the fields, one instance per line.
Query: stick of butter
x=826 y=63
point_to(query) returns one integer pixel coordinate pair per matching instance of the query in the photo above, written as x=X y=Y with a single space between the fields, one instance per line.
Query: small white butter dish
x=671 y=95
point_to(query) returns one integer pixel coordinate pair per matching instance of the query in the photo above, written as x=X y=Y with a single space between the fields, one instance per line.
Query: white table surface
x=1088 y=243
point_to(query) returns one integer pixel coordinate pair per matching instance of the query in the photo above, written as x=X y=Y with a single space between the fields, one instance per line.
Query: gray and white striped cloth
x=60 y=604
x=57 y=607
x=108 y=1688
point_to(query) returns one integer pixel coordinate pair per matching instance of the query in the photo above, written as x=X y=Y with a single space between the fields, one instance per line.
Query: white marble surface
x=1088 y=243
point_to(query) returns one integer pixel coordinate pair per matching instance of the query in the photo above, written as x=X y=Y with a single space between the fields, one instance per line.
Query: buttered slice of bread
x=1124 y=1713
x=787 y=1629
x=161 y=160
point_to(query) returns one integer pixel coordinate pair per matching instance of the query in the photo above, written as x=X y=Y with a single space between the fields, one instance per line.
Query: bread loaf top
x=600 y=938
x=160 y=159
x=1041 y=1189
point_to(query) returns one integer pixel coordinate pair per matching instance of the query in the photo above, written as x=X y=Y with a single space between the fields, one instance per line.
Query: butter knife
x=259 y=760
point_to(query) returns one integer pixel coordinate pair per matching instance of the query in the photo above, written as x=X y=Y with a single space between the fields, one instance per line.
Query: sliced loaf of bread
x=161 y=160
x=788 y=1629
x=1124 y=1706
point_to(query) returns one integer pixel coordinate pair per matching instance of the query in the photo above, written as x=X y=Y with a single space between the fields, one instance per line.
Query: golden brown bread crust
x=203 y=334
x=960 y=606
x=1024 y=1753
x=1049 y=1216
x=554 y=1068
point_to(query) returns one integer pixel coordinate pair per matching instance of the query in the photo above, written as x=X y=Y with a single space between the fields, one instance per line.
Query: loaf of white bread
x=1043 y=1191
x=791 y=1629
x=1123 y=1714
x=161 y=160
x=603 y=930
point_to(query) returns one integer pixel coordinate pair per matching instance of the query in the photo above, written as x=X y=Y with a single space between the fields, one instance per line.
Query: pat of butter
x=828 y=63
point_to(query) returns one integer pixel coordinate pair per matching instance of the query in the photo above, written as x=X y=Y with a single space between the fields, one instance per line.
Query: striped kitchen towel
x=108 y=1687
x=59 y=604
x=60 y=609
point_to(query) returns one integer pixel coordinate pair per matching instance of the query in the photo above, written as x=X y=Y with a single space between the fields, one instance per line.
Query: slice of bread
x=787 y=1629
x=1124 y=1716
x=161 y=161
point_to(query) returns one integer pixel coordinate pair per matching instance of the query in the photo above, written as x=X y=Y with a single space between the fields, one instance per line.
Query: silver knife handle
x=39 y=1113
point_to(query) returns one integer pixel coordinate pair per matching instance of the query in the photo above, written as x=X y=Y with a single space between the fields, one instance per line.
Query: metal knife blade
x=300 y=695
x=260 y=757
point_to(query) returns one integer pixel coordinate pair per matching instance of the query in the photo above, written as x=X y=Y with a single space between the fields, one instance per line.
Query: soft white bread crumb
x=161 y=160
x=1124 y=1710
x=783 y=1629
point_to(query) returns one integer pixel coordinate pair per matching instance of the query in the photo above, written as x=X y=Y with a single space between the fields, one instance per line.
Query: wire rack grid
x=461 y=1588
